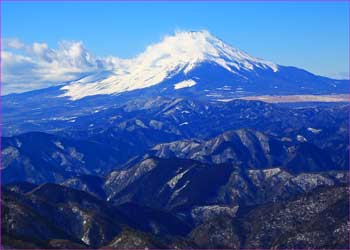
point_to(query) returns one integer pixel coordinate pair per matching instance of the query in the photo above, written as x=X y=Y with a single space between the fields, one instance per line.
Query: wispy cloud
x=339 y=75
x=27 y=67
x=13 y=43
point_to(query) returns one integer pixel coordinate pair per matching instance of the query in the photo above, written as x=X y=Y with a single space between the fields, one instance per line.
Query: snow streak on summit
x=180 y=53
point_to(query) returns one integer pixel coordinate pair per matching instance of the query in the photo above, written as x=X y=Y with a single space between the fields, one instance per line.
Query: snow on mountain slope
x=179 y=53
x=184 y=84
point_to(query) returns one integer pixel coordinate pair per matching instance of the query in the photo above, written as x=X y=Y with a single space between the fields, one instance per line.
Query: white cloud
x=28 y=67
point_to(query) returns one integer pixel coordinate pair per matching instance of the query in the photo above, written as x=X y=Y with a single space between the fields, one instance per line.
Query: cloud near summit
x=28 y=67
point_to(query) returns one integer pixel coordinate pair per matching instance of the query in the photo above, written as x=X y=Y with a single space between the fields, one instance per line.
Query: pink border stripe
x=154 y=1
x=169 y=1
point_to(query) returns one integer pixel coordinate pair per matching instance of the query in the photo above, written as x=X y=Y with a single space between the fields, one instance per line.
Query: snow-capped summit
x=181 y=52
x=187 y=49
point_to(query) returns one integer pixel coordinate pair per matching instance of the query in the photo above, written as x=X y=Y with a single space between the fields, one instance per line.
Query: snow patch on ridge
x=314 y=130
x=301 y=138
x=172 y=183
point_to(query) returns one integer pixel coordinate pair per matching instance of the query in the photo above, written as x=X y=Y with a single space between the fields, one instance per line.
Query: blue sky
x=310 y=35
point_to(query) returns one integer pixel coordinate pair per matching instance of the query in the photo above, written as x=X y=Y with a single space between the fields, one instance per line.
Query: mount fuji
x=197 y=63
